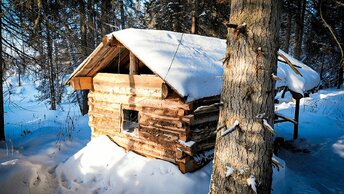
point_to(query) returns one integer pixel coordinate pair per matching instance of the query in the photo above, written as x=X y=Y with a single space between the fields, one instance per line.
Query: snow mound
x=103 y=167
x=300 y=84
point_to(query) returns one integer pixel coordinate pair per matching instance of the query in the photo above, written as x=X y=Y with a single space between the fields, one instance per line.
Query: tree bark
x=248 y=90
x=2 y=120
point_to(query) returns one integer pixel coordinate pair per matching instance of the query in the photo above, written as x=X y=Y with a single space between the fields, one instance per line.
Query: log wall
x=165 y=121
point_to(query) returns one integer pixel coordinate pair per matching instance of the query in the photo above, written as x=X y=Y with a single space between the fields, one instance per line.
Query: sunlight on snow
x=339 y=147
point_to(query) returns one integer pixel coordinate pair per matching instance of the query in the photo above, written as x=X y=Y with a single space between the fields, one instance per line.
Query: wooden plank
x=134 y=64
x=93 y=60
x=291 y=65
x=103 y=61
x=133 y=81
x=81 y=83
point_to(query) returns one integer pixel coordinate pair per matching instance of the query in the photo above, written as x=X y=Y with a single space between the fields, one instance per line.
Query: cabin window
x=130 y=120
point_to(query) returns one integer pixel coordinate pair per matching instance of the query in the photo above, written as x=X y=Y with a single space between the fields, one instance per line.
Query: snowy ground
x=49 y=152
x=322 y=132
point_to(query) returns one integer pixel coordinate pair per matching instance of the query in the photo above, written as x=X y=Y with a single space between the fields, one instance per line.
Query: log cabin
x=157 y=93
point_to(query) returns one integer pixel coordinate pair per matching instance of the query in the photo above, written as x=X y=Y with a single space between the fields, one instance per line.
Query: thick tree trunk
x=248 y=91
x=2 y=122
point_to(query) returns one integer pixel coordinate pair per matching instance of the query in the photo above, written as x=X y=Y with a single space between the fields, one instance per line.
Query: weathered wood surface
x=137 y=101
x=81 y=83
x=144 y=81
x=133 y=64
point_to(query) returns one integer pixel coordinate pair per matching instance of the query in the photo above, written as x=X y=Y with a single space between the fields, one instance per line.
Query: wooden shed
x=156 y=93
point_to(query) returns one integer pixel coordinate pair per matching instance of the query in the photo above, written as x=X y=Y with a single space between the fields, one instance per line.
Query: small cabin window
x=130 y=120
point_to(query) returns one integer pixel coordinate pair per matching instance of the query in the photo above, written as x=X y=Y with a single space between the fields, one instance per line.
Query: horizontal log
x=149 y=120
x=136 y=101
x=145 y=148
x=158 y=137
x=132 y=81
x=181 y=132
x=107 y=113
x=103 y=129
x=113 y=89
x=81 y=83
x=104 y=125
x=206 y=119
x=108 y=117
x=163 y=111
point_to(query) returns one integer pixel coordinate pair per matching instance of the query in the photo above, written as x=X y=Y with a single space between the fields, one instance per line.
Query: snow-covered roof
x=191 y=64
x=308 y=80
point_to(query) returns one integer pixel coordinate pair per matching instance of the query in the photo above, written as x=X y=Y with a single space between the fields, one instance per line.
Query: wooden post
x=134 y=65
x=296 y=125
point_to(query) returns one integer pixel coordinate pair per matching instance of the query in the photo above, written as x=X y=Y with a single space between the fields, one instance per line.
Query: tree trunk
x=121 y=7
x=50 y=68
x=194 y=18
x=288 y=29
x=83 y=28
x=105 y=11
x=301 y=7
x=340 y=75
x=248 y=90
x=82 y=95
x=91 y=26
x=2 y=120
